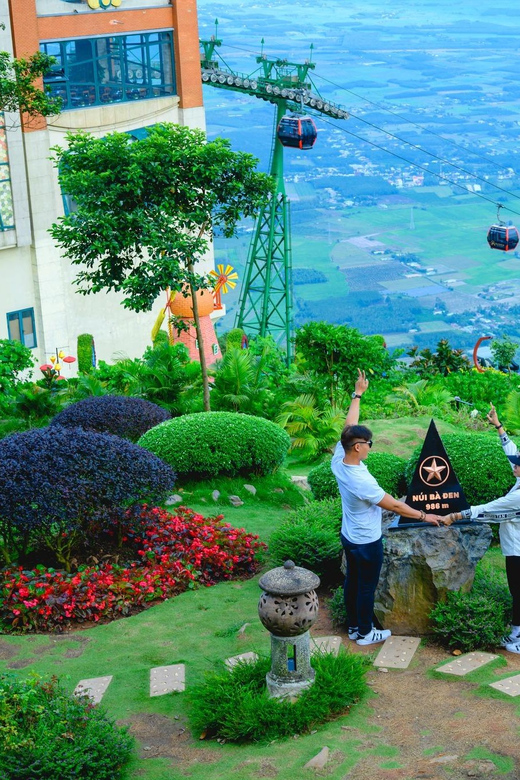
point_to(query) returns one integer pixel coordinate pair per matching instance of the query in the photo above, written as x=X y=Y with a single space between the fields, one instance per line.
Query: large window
x=20 y=327
x=94 y=71
x=6 y=197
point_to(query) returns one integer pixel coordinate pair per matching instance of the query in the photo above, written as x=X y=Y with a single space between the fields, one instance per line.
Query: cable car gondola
x=501 y=236
x=297 y=131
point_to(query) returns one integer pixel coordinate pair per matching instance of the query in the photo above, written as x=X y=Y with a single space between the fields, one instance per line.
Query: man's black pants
x=364 y=562
x=513 y=581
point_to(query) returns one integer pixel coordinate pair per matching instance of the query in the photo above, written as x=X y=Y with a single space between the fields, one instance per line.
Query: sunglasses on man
x=363 y=441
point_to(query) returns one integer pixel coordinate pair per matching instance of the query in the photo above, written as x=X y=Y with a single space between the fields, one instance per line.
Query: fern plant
x=314 y=429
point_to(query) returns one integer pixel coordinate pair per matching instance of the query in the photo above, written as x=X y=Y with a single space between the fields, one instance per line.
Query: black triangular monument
x=434 y=487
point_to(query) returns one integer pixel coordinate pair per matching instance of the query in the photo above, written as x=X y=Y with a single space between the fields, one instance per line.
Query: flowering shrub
x=170 y=553
x=57 y=485
x=118 y=414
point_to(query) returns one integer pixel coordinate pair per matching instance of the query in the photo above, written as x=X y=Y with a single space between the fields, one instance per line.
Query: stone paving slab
x=236 y=659
x=509 y=685
x=325 y=644
x=467 y=663
x=397 y=652
x=166 y=679
x=95 y=687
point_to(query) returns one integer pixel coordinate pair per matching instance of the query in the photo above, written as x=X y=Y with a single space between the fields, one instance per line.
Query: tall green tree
x=146 y=209
x=19 y=90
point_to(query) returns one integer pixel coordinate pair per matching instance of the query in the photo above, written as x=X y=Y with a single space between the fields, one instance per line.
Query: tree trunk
x=200 y=340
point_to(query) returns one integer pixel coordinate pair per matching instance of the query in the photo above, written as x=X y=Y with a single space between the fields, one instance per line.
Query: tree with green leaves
x=504 y=351
x=146 y=209
x=335 y=352
x=19 y=90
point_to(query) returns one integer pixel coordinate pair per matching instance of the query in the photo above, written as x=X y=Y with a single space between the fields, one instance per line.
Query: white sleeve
x=339 y=454
x=505 y=508
x=509 y=447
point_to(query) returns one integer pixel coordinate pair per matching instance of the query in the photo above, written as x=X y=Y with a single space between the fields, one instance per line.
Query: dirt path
x=435 y=723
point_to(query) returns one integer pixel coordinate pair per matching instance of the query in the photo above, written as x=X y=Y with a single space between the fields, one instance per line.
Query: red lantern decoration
x=69 y=359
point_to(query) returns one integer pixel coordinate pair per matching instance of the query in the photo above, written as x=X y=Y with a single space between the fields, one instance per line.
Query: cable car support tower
x=265 y=305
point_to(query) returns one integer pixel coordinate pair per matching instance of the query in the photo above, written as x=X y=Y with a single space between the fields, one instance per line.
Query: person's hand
x=492 y=416
x=433 y=519
x=447 y=520
x=361 y=383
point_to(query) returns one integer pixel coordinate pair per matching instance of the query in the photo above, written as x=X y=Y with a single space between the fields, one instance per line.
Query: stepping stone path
x=325 y=644
x=94 y=687
x=397 y=652
x=166 y=679
x=467 y=663
x=243 y=657
x=510 y=685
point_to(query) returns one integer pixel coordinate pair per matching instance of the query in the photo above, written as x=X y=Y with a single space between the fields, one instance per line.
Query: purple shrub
x=59 y=487
x=118 y=414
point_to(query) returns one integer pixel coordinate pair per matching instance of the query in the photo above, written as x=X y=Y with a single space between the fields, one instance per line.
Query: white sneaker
x=375 y=637
x=353 y=633
x=509 y=639
x=513 y=647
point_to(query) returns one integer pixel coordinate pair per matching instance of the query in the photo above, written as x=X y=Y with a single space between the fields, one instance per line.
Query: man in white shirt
x=506 y=511
x=362 y=502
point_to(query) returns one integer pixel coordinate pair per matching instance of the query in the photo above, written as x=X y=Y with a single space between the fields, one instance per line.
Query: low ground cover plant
x=48 y=734
x=388 y=469
x=61 y=487
x=310 y=537
x=162 y=555
x=234 y=704
x=212 y=443
x=118 y=414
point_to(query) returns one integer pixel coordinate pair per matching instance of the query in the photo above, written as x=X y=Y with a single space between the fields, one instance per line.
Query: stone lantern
x=288 y=607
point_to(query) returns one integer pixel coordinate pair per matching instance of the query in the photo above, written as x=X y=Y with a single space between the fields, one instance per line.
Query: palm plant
x=314 y=429
x=511 y=413
x=422 y=395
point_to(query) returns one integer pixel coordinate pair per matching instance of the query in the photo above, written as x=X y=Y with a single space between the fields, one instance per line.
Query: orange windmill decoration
x=224 y=282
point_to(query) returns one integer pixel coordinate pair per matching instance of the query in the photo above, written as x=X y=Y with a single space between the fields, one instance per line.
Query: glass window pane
x=112 y=69
x=29 y=336
x=13 y=325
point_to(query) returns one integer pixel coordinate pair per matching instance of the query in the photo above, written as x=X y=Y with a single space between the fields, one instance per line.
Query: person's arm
x=506 y=508
x=400 y=508
x=508 y=446
x=360 y=387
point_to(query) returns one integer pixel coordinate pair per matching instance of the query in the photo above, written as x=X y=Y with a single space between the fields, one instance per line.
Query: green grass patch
x=503 y=764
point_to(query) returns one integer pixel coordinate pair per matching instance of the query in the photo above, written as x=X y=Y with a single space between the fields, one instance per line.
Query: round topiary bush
x=234 y=705
x=118 y=414
x=211 y=443
x=479 y=462
x=60 y=486
x=310 y=537
x=388 y=469
x=48 y=734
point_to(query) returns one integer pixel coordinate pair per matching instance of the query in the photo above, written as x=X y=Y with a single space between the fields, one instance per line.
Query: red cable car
x=297 y=131
x=501 y=236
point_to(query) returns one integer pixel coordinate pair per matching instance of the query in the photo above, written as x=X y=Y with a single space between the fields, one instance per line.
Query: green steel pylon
x=265 y=305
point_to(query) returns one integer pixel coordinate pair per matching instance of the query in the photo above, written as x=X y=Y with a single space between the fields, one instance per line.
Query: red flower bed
x=172 y=553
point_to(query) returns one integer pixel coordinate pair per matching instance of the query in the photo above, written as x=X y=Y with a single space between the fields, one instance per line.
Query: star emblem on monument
x=432 y=469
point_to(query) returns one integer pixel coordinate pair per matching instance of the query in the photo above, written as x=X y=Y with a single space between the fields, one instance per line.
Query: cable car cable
x=416 y=165
x=415 y=124
x=436 y=157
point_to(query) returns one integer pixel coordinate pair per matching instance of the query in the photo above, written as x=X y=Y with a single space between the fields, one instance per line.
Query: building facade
x=119 y=65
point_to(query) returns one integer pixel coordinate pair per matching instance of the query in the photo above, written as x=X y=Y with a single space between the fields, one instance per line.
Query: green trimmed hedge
x=388 y=469
x=310 y=537
x=479 y=463
x=86 y=353
x=212 y=443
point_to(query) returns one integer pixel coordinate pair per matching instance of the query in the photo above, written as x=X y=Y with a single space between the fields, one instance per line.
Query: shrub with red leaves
x=172 y=552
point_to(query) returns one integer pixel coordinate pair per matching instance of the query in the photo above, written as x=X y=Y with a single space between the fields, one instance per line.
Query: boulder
x=215 y=495
x=171 y=500
x=420 y=566
x=236 y=501
x=301 y=482
x=251 y=489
